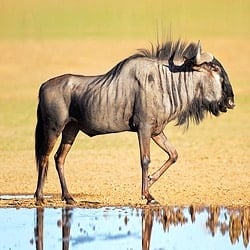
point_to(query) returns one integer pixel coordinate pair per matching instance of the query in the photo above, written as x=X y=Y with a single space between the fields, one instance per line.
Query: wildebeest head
x=217 y=91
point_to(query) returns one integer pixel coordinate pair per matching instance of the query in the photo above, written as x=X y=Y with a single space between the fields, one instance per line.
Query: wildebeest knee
x=145 y=161
x=58 y=160
x=173 y=156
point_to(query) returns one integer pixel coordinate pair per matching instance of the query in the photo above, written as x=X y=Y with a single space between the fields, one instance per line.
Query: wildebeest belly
x=110 y=116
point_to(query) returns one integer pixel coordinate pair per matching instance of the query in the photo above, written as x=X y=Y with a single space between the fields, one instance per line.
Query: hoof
x=153 y=202
x=39 y=202
x=70 y=201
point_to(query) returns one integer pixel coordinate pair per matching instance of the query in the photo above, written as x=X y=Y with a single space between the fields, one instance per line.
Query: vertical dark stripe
x=176 y=86
x=126 y=98
x=107 y=111
x=169 y=93
x=161 y=86
x=160 y=77
x=174 y=93
x=186 y=87
x=116 y=92
x=179 y=89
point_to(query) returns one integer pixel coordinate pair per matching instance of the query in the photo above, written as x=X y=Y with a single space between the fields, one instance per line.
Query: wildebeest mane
x=170 y=49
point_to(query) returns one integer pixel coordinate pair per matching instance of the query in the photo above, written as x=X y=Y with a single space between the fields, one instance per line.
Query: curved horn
x=202 y=57
x=198 y=55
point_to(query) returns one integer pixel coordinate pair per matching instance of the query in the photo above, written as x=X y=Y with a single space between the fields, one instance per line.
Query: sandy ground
x=213 y=164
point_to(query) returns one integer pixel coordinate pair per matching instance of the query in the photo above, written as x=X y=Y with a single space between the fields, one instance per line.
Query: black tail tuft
x=40 y=140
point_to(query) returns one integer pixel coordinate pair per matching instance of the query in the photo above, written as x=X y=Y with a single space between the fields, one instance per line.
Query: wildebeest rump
x=143 y=93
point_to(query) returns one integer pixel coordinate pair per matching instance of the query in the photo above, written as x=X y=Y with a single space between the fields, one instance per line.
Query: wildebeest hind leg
x=162 y=141
x=68 y=136
x=42 y=165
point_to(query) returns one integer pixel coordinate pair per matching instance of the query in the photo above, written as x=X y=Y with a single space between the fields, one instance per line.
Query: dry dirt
x=213 y=164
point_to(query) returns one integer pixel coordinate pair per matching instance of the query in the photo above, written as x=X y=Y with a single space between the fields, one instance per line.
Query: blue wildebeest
x=144 y=92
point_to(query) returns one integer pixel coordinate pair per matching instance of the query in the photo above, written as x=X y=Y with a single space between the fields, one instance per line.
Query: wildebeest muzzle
x=227 y=103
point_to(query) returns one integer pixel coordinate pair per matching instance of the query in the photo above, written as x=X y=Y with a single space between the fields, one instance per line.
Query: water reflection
x=238 y=223
x=147 y=224
x=64 y=223
x=231 y=222
x=165 y=216
x=39 y=228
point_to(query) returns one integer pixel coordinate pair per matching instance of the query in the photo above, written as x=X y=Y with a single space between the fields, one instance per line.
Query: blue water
x=124 y=228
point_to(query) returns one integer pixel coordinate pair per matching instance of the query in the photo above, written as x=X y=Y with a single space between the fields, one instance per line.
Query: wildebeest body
x=142 y=94
x=103 y=104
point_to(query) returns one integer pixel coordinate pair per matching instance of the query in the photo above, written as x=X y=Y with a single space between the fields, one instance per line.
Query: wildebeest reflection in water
x=39 y=228
x=239 y=222
x=233 y=222
x=65 y=223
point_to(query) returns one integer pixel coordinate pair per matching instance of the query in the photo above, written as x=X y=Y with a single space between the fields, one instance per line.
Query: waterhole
x=125 y=228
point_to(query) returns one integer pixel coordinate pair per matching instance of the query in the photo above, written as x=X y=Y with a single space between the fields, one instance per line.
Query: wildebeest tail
x=40 y=140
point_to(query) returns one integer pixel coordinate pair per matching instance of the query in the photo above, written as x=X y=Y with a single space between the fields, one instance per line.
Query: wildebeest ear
x=202 y=57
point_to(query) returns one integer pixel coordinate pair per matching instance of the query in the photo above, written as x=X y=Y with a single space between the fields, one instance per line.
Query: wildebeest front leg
x=68 y=136
x=144 y=143
x=162 y=141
